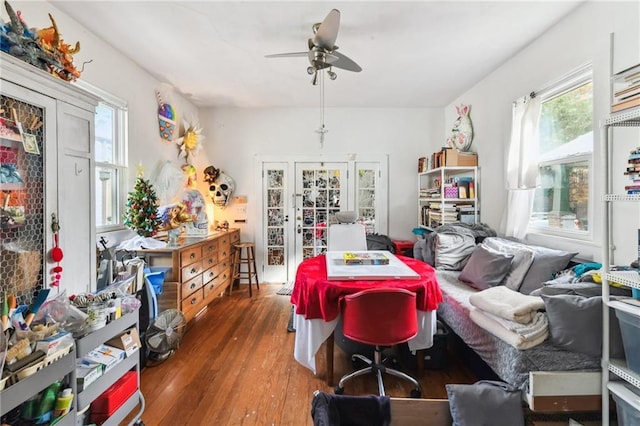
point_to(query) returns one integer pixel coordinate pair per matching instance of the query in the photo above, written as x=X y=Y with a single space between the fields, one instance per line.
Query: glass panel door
x=321 y=191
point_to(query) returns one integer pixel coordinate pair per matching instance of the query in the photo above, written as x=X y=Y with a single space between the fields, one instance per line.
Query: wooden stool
x=248 y=259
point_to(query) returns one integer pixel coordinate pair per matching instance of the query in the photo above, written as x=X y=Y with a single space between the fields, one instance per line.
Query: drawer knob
x=194 y=270
x=193 y=285
x=193 y=301
x=192 y=256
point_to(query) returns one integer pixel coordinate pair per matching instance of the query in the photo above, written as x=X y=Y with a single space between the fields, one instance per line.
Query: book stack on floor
x=633 y=172
x=626 y=90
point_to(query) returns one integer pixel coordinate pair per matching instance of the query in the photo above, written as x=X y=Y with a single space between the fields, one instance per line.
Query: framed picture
x=11 y=175
x=9 y=130
x=30 y=143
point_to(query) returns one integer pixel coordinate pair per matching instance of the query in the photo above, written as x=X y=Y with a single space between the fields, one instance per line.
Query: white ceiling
x=413 y=54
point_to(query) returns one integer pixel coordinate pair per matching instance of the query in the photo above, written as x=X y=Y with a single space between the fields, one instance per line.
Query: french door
x=299 y=200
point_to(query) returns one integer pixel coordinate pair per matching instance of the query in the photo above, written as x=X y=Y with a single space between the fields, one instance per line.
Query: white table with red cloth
x=317 y=306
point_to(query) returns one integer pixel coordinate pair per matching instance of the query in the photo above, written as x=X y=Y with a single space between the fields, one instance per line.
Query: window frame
x=120 y=162
x=572 y=81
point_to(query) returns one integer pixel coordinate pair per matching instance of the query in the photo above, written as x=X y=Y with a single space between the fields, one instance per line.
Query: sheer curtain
x=522 y=167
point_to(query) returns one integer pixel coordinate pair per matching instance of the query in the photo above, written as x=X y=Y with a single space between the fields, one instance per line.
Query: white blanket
x=508 y=304
x=519 y=336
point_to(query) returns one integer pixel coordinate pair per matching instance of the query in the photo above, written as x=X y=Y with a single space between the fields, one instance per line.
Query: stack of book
x=439 y=214
x=627 y=91
x=364 y=258
x=633 y=172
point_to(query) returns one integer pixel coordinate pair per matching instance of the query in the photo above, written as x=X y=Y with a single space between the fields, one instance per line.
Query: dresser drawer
x=224 y=264
x=209 y=274
x=191 y=271
x=210 y=260
x=209 y=248
x=190 y=255
x=190 y=286
x=234 y=238
x=211 y=289
x=192 y=302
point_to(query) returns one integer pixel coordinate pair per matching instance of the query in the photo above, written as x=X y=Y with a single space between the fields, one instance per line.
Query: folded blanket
x=508 y=304
x=533 y=337
x=538 y=327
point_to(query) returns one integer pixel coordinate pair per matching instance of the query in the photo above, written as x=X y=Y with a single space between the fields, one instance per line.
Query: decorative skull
x=221 y=190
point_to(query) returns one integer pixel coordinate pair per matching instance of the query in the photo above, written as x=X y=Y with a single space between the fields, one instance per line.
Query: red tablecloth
x=317 y=297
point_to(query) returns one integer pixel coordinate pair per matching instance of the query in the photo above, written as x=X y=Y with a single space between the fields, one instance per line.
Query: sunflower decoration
x=190 y=142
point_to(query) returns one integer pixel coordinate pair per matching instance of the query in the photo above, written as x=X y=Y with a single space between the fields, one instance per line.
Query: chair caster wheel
x=338 y=390
x=415 y=393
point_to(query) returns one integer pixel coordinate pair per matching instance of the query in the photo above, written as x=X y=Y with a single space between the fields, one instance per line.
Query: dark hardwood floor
x=235 y=366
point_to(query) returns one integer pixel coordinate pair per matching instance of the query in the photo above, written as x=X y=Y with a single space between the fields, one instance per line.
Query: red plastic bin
x=402 y=245
x=117 y=394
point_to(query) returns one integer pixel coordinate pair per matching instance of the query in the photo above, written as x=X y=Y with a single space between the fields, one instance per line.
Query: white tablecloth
x=310 y=334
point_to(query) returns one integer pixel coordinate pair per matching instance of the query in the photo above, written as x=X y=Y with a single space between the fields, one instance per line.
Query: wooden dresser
x=200 y=271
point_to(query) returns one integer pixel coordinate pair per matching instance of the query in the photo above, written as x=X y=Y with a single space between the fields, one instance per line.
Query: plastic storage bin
x=155 y=276
x=116 y=395
x=627 y=415
x=630 y=329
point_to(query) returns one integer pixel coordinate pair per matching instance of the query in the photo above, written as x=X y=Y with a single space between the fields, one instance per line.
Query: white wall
x=236 y=136
x=580 y=38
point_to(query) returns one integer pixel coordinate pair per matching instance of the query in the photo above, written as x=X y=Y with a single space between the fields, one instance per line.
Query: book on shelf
x=364 y=258
x=629 y=103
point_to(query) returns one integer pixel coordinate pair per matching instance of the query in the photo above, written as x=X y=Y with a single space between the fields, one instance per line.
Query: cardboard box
x=105 y=355
x=54 y=343
x=87 y=373
x=453 y=157
x=129 y=341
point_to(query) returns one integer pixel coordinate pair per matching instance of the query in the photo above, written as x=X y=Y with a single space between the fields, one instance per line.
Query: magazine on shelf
x=364 y=258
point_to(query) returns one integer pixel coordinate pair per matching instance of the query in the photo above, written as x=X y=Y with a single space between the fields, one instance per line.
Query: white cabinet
x=619 y=368
x=59 y=179
x=447 y=195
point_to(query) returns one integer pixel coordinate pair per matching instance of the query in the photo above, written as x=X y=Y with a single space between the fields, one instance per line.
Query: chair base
x=378 y=368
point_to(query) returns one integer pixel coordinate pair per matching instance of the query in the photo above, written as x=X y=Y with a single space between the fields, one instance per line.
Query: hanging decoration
x=462 y=131
x=56 y=254
x=189 y=171
x=190 y=142
x=166 y=119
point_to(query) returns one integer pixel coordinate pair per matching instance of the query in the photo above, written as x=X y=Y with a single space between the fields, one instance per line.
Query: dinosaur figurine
x=53 y=44
x=18 y=40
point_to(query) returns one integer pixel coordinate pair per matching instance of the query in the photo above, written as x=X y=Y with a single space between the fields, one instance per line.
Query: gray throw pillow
x=575 y=324
x=522 y=260
x=546 y=262
x=486 y=267
x=453 y=250
x=485 y=403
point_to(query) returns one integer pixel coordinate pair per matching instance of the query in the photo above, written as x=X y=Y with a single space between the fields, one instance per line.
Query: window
x=563 y=198
x=110 y=159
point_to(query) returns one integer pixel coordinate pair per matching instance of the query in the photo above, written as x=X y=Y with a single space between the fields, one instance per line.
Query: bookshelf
x=448 y=195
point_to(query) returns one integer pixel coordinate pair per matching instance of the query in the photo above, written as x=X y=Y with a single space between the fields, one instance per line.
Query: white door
x=299 y=200
x=321 y=192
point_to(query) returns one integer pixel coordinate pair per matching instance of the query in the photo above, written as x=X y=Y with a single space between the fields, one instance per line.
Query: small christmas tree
x=142 y=209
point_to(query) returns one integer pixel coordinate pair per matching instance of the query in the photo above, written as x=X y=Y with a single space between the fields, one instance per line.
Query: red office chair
x=379 y=317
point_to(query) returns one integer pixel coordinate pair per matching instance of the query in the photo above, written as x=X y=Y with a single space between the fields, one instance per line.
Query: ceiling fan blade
x=286 y=55
x=327 y=32
x=345 y=63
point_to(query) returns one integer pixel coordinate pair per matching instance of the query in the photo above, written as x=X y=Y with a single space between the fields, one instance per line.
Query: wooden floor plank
x=235 y=366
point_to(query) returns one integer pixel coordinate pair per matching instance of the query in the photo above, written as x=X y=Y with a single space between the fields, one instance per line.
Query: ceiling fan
x=322 y=51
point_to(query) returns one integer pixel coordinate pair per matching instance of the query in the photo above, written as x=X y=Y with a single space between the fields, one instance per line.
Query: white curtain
x=522 y=167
